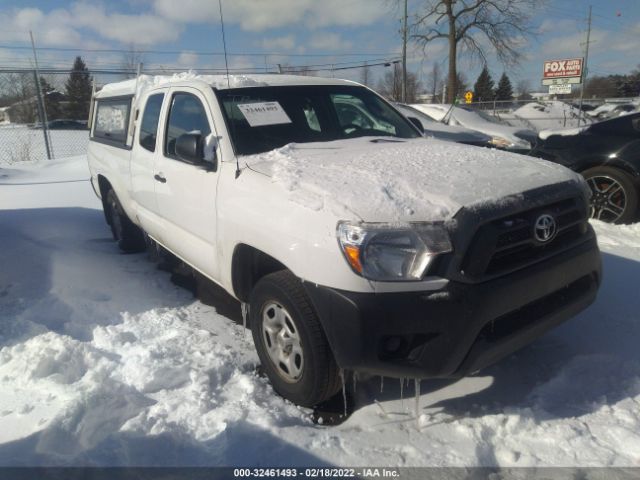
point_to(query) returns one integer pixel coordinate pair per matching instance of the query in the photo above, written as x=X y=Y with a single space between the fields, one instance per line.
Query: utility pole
x=404 y=53
x=585 y=69
x=41 y=105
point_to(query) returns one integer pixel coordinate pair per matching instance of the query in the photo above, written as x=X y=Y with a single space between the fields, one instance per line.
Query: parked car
x=502 y=136
x=355 y=246
x=435 y=129
x=63 y=124
x=611 y=110
x=621 y=110
x=607 y=154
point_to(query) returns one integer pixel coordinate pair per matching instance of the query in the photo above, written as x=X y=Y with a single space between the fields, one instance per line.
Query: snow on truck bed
x=104 y=361
x=136 y=86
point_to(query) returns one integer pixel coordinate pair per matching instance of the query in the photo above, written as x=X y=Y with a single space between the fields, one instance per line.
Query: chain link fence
x=538 y=115
x=39 y=122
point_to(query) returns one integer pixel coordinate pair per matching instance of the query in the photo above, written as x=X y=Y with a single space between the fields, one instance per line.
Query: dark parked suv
x=607 y=154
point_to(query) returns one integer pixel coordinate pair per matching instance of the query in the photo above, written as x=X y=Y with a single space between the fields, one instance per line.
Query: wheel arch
x=617 y=163
x=248 y=266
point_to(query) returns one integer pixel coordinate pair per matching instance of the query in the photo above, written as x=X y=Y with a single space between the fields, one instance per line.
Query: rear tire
x=129 y=237
x=614 y=196
x=290 y=342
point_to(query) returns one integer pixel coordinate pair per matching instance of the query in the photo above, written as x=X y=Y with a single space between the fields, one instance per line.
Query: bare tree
x=434 y=81
x=473 y=27
x=391 y=85
x=523 y=89
x=19 y=94
x=130 y=61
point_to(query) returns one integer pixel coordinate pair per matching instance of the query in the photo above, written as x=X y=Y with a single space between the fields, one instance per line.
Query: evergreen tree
x=483 y=88
x=51 y=100
x=78 y=89
x=504 y=90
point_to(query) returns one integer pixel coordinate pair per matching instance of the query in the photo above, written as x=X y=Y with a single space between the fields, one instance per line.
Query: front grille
x=508 y=243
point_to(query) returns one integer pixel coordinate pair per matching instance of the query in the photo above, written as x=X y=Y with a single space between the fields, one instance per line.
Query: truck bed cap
x=137 y=86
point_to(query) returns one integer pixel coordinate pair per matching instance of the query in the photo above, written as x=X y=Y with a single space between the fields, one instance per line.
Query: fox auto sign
x=562 y=68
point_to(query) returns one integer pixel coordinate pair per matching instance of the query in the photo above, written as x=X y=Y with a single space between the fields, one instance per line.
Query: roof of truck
x=137 y=86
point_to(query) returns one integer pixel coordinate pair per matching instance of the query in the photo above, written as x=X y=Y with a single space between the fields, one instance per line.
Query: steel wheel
x=290 y=342
x=608 y=198
x=283 y=342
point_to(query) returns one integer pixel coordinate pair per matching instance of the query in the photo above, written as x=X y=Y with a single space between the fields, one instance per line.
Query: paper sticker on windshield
x=264 y=113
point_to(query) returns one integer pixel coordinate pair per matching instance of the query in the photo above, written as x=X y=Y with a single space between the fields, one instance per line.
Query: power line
x=198 y=52
x=125 y=71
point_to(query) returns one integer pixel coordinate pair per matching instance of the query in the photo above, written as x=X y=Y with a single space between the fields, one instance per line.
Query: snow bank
x=551 y=115
x=20 y=144
x=103 y=361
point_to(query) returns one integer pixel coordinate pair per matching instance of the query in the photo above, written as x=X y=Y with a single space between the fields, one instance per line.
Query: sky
x=325 y=34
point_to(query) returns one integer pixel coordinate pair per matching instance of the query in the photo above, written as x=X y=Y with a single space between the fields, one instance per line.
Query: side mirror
x=189 y=147
x=417 y=123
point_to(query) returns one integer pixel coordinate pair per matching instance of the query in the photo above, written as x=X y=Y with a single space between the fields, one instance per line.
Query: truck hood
x=395 y=180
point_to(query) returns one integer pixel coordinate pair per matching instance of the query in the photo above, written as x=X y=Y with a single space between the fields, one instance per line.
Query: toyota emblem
x=545 y=228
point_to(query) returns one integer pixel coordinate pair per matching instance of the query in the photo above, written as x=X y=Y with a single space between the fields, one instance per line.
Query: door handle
x=160 y=178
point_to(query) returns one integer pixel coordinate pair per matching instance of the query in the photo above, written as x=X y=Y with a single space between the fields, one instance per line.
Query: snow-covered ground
x=19 y=144
x=105 y=361
x=549 y=115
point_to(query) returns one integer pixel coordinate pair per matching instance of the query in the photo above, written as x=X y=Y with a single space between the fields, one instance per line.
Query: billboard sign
x=568 y=68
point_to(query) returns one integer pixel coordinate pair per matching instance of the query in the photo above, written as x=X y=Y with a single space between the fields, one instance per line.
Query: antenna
x=224 y=44
x=226 y=66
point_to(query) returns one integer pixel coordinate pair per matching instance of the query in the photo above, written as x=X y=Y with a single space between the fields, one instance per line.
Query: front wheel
x=290 y=342
x=614 y=197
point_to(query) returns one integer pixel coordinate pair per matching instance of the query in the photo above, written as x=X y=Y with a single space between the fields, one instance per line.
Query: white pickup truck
x=356 y=244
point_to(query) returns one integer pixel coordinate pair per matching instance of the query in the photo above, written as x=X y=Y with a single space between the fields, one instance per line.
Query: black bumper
x=461 y=328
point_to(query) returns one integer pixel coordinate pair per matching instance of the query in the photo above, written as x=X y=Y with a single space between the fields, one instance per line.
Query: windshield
x=261 y=119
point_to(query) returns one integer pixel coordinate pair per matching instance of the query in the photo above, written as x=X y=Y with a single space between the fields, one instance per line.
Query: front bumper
x=461 y=328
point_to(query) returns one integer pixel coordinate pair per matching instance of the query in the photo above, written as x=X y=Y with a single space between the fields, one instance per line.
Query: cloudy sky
x=263 y=33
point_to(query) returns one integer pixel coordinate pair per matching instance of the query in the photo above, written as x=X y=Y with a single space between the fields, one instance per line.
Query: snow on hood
x=377 y=179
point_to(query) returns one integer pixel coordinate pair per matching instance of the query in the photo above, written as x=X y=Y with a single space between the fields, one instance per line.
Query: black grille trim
x=507 y=244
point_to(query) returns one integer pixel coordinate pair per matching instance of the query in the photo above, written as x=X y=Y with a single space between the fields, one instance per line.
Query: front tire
x=290 y=342
x=614 y=196
x=129 y=237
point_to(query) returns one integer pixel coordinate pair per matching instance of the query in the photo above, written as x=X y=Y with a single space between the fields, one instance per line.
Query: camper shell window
x=112 y=121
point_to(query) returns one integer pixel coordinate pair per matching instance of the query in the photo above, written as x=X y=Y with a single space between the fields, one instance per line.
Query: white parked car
x=502 y=136
x=612 y=110
x=442 y=131
x=355 y=244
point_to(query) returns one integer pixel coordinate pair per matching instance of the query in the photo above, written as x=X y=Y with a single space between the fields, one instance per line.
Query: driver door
x=186 y=193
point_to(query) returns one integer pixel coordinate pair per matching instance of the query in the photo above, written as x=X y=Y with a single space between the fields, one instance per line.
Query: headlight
x=500 y=142
x=386 y=252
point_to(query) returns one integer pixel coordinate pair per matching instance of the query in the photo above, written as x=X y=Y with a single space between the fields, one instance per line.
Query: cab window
x=187 y=115
x=150 y=120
